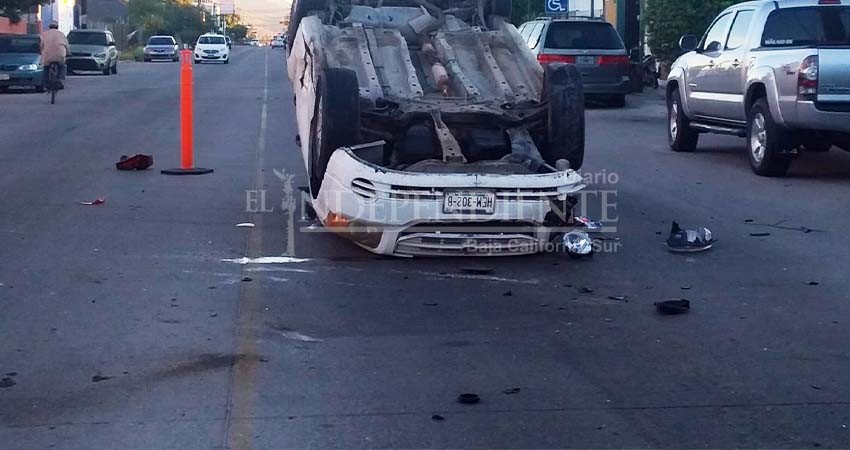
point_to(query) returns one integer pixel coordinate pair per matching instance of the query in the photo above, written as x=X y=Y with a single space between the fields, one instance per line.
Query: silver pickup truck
x=774 y=72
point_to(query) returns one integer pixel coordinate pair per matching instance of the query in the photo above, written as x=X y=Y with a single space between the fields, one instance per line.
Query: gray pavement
x=125 y=328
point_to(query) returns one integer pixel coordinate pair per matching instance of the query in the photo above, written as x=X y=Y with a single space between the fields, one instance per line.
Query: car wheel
x=816 y=145
x=565 y=127
x=146 y=59
x=41 y=88
x=107 y=70
x=680 y=135
x=336 y=122
x=227 y=61
x=115 y=68
x=197 y=61
x=175 y=59
x=5 y=89
x=766 y=142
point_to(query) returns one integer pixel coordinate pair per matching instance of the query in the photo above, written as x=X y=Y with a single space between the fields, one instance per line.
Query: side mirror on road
x=688 y=42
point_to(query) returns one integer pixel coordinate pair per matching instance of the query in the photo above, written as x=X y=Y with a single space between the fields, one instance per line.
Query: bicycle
x=53 y=83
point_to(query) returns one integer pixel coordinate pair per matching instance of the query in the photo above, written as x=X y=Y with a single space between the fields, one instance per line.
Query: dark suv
x=591 y=44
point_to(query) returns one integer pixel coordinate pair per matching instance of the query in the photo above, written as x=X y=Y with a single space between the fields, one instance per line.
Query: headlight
x=100 y=55
x=147 y=50
x=28 y=67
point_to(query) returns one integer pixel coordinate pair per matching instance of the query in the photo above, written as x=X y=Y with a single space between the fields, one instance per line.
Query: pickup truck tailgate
x=834 y=74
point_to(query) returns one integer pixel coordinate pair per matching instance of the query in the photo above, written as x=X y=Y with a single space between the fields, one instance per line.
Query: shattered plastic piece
x=477 y=270
x=7 y=383
x=468 y=399
x=99 y=378
x=760 y=234
x=95 y=202
x=812 y=283
x=673 y=306
x=437 y=418
x=138 y=162
x=591 y=225
x=578 y=243
x=245 y=225
x=682 y=240
x=247 y=279
x=511 y=391
x=619 y=298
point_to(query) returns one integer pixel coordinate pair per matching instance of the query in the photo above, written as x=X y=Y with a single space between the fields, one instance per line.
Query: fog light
x=335 y=220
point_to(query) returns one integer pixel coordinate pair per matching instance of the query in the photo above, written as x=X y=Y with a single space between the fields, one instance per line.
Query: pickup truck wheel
x=680 y=135
x=766 y=142
x=336 y=122
x=565 y=127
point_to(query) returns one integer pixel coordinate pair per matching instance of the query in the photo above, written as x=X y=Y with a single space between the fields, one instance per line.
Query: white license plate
x=4 y=76
x=469 y=202
x=586 y=60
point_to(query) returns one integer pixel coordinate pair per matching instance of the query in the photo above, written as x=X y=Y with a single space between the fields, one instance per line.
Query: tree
x=180 y=18
x=668 y=20
x=13 y=8
x=238 y=32
x=524 y=10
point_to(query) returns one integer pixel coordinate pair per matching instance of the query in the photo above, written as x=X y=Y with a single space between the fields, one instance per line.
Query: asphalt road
x=122 y=325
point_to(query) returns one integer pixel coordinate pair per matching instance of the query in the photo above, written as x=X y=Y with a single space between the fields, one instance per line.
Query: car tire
x=564 y=139
x=766 y=142
x=197 y=61
x=41 y=88
x=146 y=59
x=115 y=68
x=175 y=59
x=107 y=70
x=680 y=136
x=227 y=61
x=336 y=122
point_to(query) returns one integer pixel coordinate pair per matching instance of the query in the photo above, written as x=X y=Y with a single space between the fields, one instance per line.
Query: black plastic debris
x=137 y=162
x=812 y=283
x=7 y=382
x=431 y=304
x=247 y=279
x=99 y=378
x=508 y=293
x=468 y=399
x=760 y=234
x=585 y=290
x=670 y=307
x=511 y=391
x=682 y=240
x=437 y=418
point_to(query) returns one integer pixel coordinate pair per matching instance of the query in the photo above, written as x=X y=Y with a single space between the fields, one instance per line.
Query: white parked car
x=425 y=133
x=212 y=47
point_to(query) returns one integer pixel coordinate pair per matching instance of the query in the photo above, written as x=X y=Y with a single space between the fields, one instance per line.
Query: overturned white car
x=429 y=128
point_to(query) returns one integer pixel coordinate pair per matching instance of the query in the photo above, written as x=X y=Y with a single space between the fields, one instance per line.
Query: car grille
x=469 y=238
x=210 y=52
x=420 y=193
x=8 y=67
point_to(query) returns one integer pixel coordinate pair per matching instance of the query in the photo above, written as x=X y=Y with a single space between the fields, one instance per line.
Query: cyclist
x=54 y=49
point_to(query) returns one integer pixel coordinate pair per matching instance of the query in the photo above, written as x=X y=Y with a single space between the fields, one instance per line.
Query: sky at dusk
x=263 y=15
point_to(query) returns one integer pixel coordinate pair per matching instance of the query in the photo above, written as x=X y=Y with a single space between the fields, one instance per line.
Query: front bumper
x=22 y=78
x=211 y=57
x=401 y=213
x=86 y=64
x=158 y=55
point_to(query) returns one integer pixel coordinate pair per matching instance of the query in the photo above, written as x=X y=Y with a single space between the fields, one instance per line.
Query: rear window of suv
x=85 y=38
x=582 y=36
x=818 y=25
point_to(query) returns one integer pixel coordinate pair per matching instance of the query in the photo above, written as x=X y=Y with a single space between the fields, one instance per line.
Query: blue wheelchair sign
x=557 y=6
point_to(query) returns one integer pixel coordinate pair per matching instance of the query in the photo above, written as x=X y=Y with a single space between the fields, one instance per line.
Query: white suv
x=212 y=47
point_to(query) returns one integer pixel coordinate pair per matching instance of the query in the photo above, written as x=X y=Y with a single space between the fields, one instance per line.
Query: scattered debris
x=477 y=270
x=749 y=220
x=468 y=399
x=779 y=226
x=682 y=240
x=812 y=283
x=7 y=383
x=214 y=315
x=11 y=374
x=585 y=290
x=685 y=288
x=245 y=225
x=673 y=306
x=138 y=162
x=430 y=304
x=437 y=418
x=296 y=336
x=816 y=387
x=619 y=298
x=508 y=293
x=247 y=279
x=264 y=360
x=589 y=224
x=578 y=243
x=266 y=260
x=98 y=378
x=510 y=391
x=760 y=234
x=95 y=202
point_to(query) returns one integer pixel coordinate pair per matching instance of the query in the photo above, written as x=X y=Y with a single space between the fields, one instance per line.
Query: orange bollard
x=187 y=162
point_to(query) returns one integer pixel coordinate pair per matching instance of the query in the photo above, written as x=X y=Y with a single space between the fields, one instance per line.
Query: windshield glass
x=582 y=36
x=211 y=40
x=87 y=38
x=161 y=41
x=794 y=27
x=19 y=44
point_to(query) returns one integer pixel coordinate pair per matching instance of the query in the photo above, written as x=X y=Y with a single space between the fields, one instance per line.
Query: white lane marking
x=278 y=269
x=245 y=225
x=266 y=260
x=279 y=279
x=296 y=336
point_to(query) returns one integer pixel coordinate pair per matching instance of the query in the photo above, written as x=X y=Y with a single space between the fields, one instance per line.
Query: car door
x=702 y=82
x=731 y=71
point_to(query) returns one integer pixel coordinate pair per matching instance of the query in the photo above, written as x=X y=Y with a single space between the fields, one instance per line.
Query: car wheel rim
x=758 y=137
x=674 y=124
